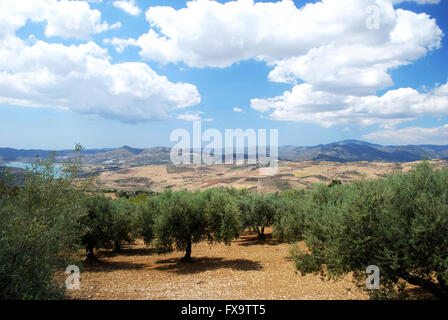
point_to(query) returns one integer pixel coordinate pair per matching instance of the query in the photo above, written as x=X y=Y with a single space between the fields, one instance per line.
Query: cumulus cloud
x=410 y=135
x=326 y=49
x=236 y=109
x=66 y=19
x=276 y=31
x=418 y=1
x=129 y=6
x=81 y=77
x=193 y=116
x=305 y=104
x=119 y=44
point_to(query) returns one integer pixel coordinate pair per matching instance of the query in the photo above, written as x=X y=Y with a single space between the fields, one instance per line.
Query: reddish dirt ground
x=248 y=269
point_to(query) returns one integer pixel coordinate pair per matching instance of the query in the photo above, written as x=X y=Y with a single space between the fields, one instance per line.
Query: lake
x=23 y=165
x=20 y=165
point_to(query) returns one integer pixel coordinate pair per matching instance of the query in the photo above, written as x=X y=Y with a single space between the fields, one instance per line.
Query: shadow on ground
x=203 y=264
x=418 y=293
x=252 y=240
x=127 y=252
x=111 y=266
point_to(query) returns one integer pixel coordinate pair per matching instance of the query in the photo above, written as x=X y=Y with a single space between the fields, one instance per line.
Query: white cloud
x=418 y=1
x=276 y=31
x=236 y=109
x=66 y=19
x=74 y=19
x=325 y=49
x=80 y=78
x=193 y=116
x=305 y=104
x=411 y=135
x=119 y=44
x=129 y=6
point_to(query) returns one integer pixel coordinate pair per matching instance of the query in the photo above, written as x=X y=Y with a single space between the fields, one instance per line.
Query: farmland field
x=290 y=175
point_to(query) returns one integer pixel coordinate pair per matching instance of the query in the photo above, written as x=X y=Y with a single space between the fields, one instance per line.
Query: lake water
x=20 y=165
x=23 y=165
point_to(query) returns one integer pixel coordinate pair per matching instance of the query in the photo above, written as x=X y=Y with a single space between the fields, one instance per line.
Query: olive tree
x=123 y=222
x=39 y=230
x=398 y=224
x=289 y=222
x=147 y=210
x=258 y=212
x=183 y=218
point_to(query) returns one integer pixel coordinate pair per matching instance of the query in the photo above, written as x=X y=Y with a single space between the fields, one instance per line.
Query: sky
x=112 y=73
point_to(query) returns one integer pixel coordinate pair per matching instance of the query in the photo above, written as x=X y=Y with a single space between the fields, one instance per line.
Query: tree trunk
x=260 y=231
x=89 y=253
x=187 y=257
x=443 y=285
x=117 y=246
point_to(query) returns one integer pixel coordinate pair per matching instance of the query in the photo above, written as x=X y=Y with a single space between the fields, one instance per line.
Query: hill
x=343 y=151
x=354 y=150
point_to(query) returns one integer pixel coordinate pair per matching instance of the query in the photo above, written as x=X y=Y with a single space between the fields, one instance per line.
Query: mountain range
x=343 y=151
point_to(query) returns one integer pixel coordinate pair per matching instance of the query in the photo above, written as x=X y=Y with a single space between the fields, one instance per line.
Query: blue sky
x=97 y=72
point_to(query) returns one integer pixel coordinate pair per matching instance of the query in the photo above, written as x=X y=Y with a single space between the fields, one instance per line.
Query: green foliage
x=335 y=182
x=39 y=230
x=124 y=222
x=398 y=224
x=293 y=194
x=178 y=219
x=222 y=215
x=257 y=211
x=147 y=210
x=290 y=218
x=99 y=223
x=108 y=221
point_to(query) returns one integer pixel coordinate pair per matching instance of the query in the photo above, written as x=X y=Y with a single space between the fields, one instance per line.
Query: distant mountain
x=115 y=156
x=156 y=155
x=343 y=151
x=354 y=150
x=20 y=155
x=131 y=150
